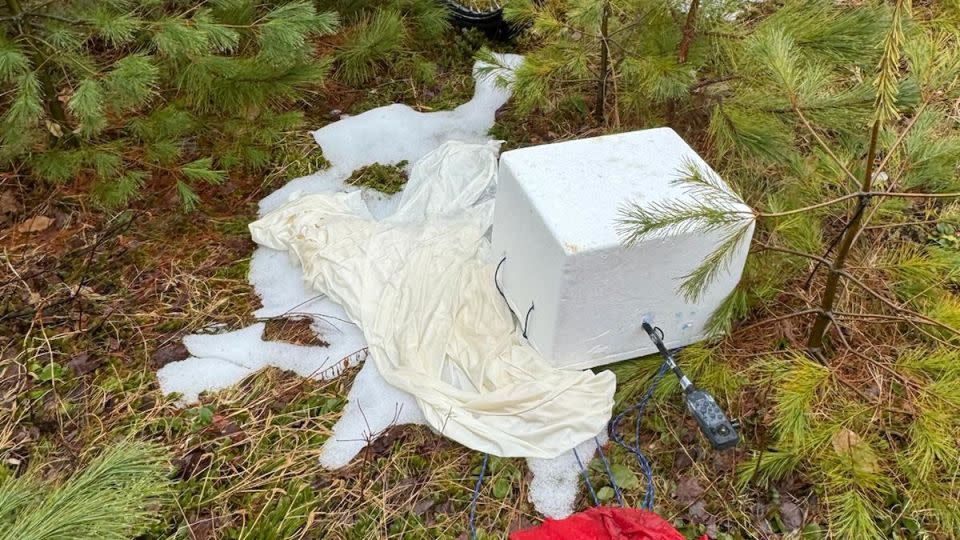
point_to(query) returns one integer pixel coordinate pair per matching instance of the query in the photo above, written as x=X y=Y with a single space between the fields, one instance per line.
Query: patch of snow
x=219 y=361
x=194 y=375
x=396 y=133
x=384 y=135
x=556 y=481
x=373 y=405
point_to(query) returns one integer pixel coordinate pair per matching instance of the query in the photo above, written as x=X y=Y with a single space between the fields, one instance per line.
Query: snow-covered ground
x=384 y=135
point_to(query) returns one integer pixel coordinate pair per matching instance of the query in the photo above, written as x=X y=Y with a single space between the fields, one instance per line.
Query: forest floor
x=95 y=303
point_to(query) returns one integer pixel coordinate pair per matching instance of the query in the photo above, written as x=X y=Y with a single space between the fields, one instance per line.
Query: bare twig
x=604 y=62
x=843 y=198
x=768 y=247
x=776 y=319
x=683 y=50
x=893 y=305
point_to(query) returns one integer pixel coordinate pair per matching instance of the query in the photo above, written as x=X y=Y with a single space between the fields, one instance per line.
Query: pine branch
x=896 y=145
x=889 y=69
x=201 y=170
x=678 y=216
x=111 y=498
x=911 y=195
x=696 y=282
x=637 y=221
x=779 y=318
x=788 y=251
x=890 y=152
x=898 y=308
x=369 y=43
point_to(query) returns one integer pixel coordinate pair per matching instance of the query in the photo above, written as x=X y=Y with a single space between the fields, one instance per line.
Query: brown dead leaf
x=384 y=442
x=8 y=204
x=697 y=512
x=172 y=352
x=724 y=462
x=681 y=461
x=83 y=363
x=861 y=455
x=844 y=440
x=226 y=427
x=689 y=490
x=193 y=463
x=521 y=523
x=35 y=224
x=423 y=505
x=792 y=515
x=54 y=128
x=202 y=529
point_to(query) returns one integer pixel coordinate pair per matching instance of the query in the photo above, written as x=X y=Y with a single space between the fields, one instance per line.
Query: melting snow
x=556 y=481
x=384 y=135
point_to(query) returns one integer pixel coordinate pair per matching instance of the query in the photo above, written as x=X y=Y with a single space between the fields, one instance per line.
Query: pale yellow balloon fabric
x=420 y=287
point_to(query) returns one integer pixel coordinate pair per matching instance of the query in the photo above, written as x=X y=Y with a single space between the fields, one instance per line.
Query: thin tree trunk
x=53 y=102
x=683 y=50
x=824 y=317
x=598 y=111
x=689 y=29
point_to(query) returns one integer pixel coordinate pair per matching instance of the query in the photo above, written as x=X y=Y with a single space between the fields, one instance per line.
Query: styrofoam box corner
x=557 y=208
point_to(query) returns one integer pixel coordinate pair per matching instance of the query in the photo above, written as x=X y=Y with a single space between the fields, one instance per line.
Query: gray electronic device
x=714 y=424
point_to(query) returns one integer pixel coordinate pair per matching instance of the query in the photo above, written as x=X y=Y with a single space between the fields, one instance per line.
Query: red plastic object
x=603 y=523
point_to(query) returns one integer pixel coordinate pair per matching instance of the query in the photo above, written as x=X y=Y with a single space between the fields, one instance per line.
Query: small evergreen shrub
x=836 y=120
x=623 y=61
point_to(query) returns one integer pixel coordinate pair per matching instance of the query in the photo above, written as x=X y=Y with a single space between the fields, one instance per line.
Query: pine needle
x=112 y=498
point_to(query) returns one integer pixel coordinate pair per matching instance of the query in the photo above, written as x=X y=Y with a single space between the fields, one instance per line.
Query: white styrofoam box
x=556 y=221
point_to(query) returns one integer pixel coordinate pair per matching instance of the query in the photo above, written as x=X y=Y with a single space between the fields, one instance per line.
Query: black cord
x=497 y=273
x=526 y=320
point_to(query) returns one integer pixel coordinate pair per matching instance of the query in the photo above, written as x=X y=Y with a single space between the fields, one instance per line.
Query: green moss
x=238 y=270
x=234 y=227
x=388 y=179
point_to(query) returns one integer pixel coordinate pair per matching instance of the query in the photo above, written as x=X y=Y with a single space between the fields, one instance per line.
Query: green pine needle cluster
x=384 y=38
x=116 y=496
x=125 y=94
x=710 y=206
x=827 y=433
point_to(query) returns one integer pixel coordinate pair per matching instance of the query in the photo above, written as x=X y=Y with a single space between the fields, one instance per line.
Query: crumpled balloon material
x=603 y=523
x=420 y=285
